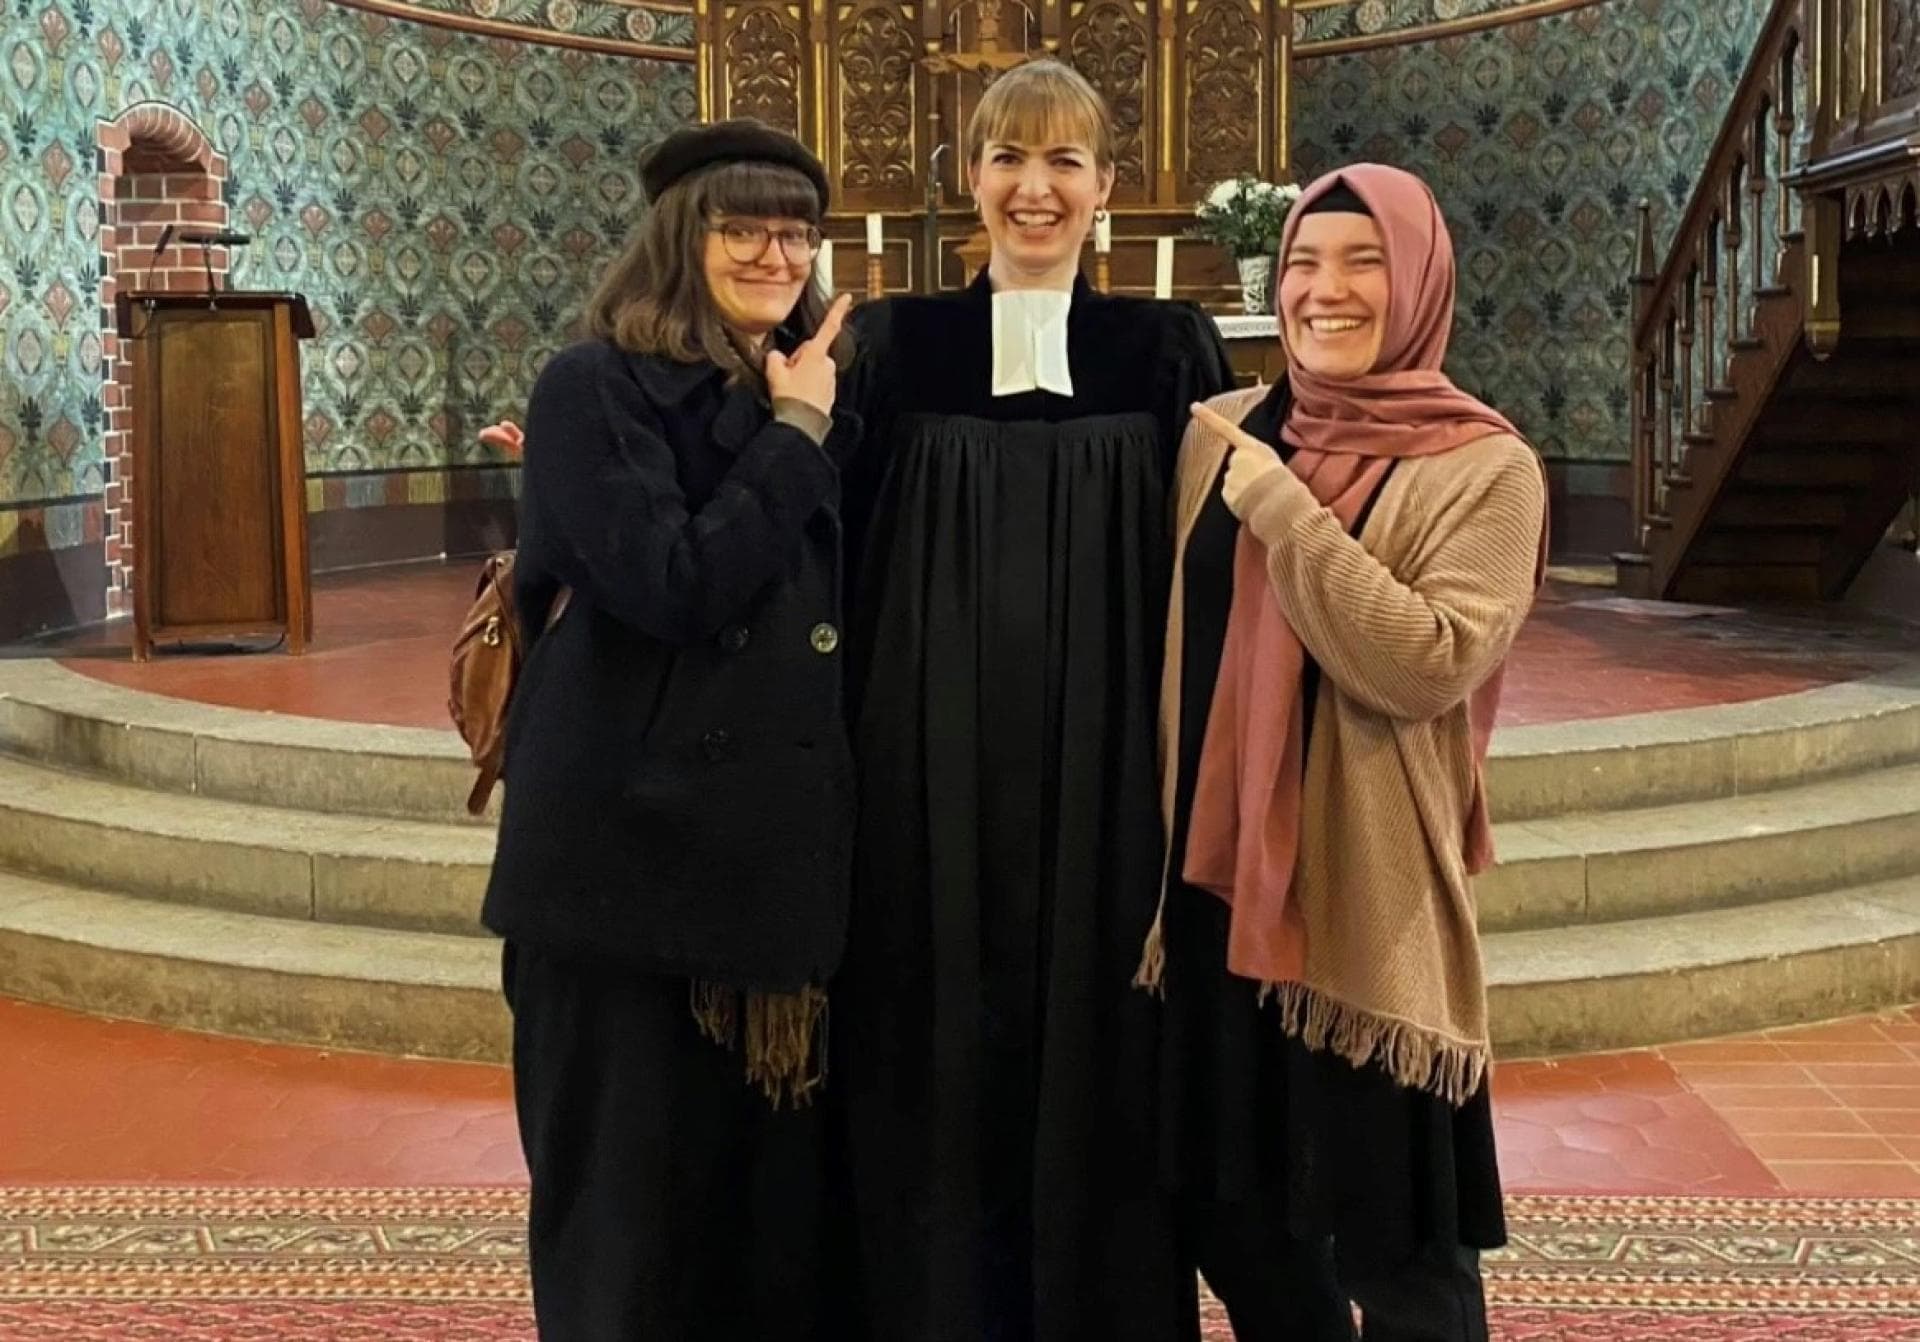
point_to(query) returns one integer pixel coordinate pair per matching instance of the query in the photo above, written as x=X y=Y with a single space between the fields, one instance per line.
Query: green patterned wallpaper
x=1323 y=21
x=1540 y=136
x=442 y=198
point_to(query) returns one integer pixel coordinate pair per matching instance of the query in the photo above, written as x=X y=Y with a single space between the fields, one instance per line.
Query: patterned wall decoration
x=1902 y=27
x=1540 y=137
x=1328 y=23
x=619 y=26
x=442 y=199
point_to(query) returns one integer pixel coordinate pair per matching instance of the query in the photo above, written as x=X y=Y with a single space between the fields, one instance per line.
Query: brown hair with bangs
x=654 y=298
x=1042 y=102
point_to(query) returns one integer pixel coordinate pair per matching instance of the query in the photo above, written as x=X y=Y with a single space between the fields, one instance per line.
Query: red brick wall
x=156 y=168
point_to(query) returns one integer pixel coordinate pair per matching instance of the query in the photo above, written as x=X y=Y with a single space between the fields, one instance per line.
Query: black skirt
x=670 y=1200
x=994 y=1062
x=1249 y=1113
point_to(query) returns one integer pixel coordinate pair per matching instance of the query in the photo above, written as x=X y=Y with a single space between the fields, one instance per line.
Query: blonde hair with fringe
x=1042 y=102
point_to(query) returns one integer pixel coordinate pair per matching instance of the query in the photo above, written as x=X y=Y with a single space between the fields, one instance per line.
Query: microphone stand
x=930 y=238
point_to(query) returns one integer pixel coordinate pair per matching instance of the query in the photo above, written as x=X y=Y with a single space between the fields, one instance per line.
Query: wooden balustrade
x=1694 y=314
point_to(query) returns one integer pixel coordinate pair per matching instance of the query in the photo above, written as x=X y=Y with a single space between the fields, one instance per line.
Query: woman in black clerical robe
x=1009 y=515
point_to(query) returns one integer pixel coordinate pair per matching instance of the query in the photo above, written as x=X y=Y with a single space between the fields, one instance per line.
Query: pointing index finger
x=830 y=325
x=1225 y=427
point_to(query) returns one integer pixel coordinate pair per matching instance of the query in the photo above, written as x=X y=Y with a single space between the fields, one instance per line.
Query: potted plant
x=1243 y=216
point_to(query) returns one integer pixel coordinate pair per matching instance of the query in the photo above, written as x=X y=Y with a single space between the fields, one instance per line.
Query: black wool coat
x=679 y=793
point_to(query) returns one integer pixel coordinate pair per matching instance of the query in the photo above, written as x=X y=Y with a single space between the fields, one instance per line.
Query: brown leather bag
x=483 y=668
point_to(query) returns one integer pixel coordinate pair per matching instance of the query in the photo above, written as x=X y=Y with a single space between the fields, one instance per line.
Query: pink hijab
x=1244 y=835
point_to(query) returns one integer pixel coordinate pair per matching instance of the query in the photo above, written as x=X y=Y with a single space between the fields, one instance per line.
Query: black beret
x=744 y=139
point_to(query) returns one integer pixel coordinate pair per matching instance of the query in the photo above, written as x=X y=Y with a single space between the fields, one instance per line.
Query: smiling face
x=1037 y=201
x=1039 y=162
x=1334 y=292
x=754 y=295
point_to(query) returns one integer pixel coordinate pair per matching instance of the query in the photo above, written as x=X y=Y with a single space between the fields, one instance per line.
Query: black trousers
x=1277 y=1288
x=671 y=1202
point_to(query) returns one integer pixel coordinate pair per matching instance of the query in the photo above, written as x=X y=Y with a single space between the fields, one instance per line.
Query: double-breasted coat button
x=717 y=744
x=734 y=637
x=825 y=638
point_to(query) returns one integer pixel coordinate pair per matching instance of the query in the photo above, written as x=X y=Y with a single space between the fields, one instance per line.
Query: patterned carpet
x=447 y=1265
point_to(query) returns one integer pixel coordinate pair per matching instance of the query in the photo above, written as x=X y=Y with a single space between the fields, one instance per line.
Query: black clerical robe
x=992 y=1061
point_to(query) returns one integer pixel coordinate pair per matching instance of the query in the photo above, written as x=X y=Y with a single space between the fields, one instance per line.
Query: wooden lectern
x=219 y=475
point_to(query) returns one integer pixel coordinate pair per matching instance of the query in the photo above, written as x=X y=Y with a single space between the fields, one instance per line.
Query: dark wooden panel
x=214 y=486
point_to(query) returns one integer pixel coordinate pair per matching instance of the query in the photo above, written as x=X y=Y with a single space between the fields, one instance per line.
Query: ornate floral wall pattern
x=616 y=24
x=1324 y=21
x=443 y=200
x=1540 y=137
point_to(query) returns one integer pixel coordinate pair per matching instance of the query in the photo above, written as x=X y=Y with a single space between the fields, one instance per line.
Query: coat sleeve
x=602 y=478
x=1411 y=647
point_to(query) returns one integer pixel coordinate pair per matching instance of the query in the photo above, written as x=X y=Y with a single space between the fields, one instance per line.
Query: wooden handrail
x=1758 y=88
x=1727 y=253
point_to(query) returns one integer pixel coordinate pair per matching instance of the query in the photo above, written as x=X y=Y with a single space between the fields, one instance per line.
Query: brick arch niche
x=156 y=168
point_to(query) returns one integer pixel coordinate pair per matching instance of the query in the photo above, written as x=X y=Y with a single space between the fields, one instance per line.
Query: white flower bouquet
x=1243 y=215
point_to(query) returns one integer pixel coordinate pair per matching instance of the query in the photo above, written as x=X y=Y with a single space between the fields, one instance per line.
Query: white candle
x=874 y=243
x=823 y=266
x=1163 y=267
x=1103 y=233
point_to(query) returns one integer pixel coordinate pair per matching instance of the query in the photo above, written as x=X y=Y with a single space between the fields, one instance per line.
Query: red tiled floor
x=115 y=1102
x=381 y=640
x=94 y=1101
x=1618 y=1123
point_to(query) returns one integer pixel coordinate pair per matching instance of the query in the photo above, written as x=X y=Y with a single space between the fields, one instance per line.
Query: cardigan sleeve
x=1411 y=647
x=604 y=482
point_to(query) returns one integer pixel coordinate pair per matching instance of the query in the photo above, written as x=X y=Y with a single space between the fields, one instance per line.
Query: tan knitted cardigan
x=1405 y=626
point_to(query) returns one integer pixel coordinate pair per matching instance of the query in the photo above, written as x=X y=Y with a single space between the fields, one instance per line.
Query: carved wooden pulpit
x=1199 y=92
x=219 y=475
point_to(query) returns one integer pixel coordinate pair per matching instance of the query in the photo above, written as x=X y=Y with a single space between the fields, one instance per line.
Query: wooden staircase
x=1776 y=357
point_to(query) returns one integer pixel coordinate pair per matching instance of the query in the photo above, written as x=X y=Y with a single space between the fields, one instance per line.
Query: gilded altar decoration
x=1224 y=62
x=876 y=73
x=1903 y=49
x=763 y=63
x=1108 y=43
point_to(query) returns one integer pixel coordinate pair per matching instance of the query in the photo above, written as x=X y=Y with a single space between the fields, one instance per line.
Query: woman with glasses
x=990 y=1054
x=672 y=870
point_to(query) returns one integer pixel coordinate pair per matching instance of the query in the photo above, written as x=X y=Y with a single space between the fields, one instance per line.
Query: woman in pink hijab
x=1356 y=548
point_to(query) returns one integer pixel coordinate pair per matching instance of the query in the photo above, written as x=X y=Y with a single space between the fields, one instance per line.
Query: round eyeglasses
x=747 y=242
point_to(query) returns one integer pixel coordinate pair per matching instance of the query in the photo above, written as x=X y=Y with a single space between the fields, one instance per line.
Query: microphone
x=224 y=238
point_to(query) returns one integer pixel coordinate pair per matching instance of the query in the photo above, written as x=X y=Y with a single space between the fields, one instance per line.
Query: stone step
x=412 y=993
x=50 y=713
x=1619 y=985
x=1693 y=856
x=287 y=864
x=418 y=875
x=1689 y=976
x=310 y=764
x=1647 y=759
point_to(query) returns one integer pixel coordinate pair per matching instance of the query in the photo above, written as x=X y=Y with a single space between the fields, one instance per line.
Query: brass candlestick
x=876 y=276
